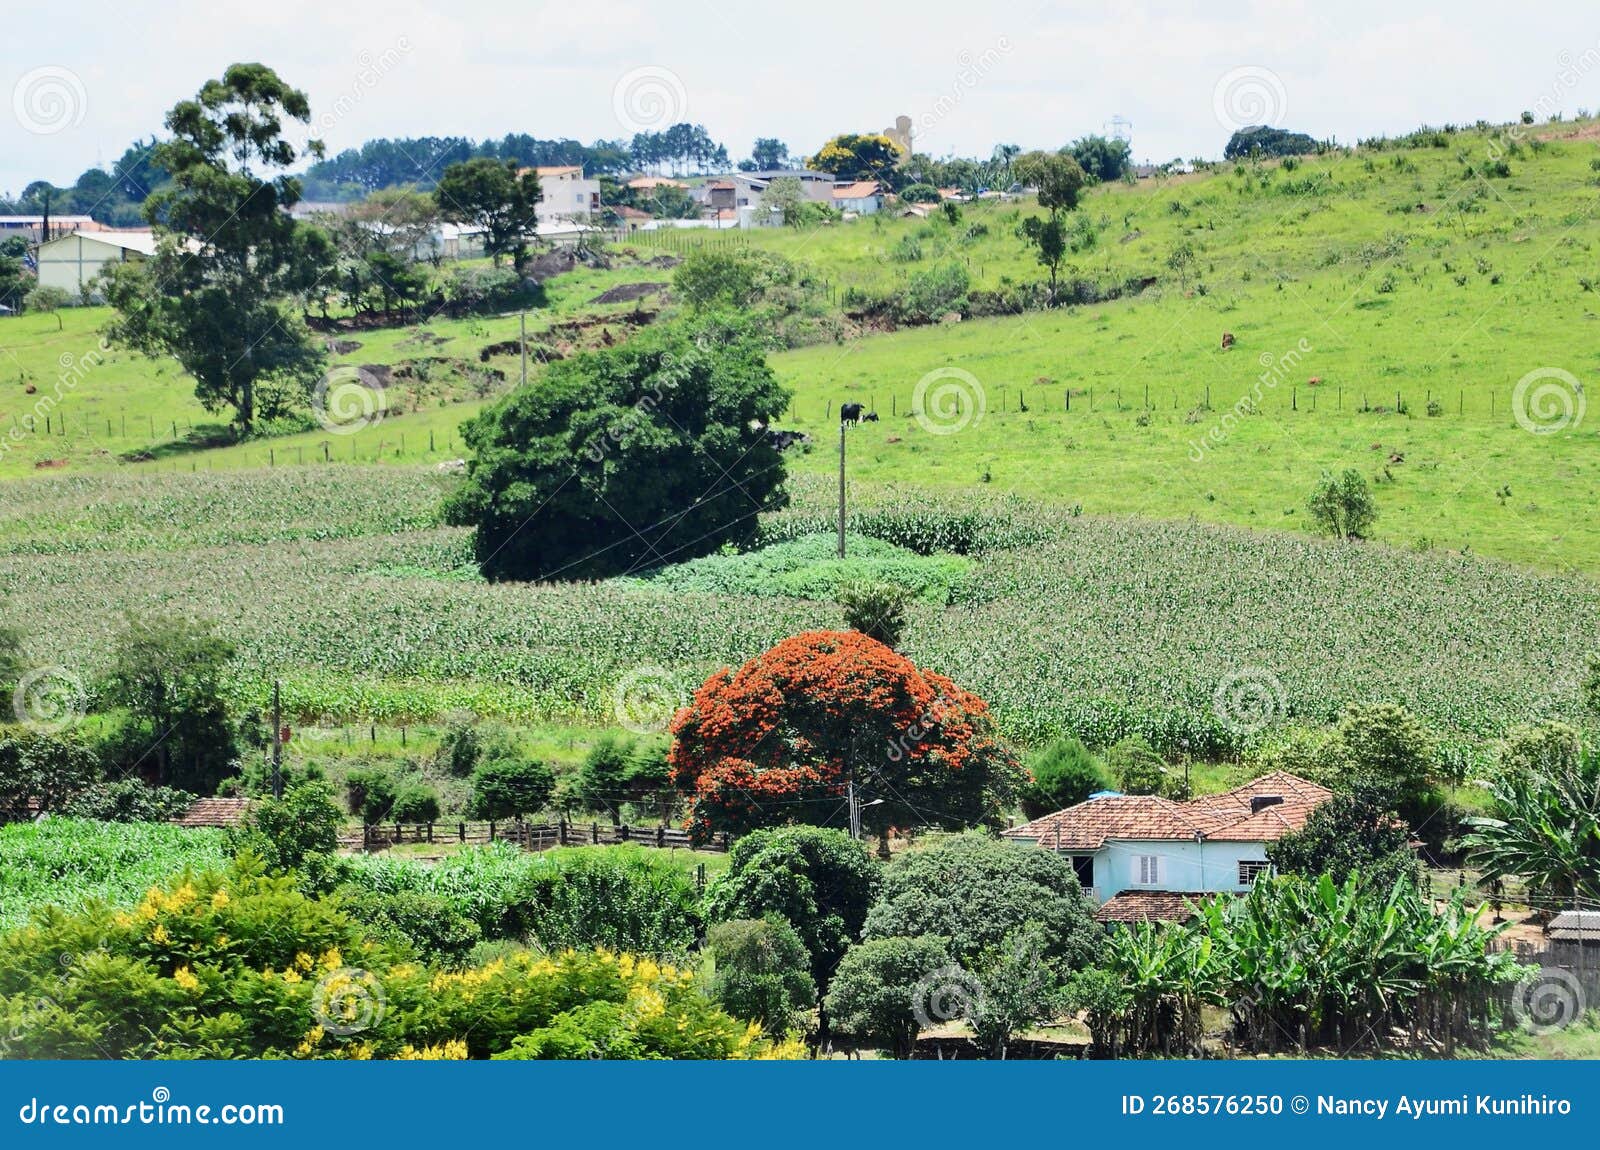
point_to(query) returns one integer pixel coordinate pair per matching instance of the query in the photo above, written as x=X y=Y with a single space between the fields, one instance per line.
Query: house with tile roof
x=1143 y=857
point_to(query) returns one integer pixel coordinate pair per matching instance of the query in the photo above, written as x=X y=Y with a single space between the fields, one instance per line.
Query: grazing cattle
x=783 y=440
x=855 y=413
x=1227 y=340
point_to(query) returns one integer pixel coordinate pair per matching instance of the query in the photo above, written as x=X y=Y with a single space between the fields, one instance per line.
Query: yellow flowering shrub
x=240 y=965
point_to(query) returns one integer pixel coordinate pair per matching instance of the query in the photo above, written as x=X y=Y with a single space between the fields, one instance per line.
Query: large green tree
x=216 y=294
x=500 y=197
x=639 y=455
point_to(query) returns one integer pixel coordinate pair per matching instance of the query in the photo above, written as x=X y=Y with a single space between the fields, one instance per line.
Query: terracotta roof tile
x=214 y=813
x=1227 y=817
x=1150 y=906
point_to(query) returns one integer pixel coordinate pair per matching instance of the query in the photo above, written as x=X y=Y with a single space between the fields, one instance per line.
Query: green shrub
x=762 y=972
x=238 y=965
x=975 y=892
x=932 y=293
x=428 y=924
x=876 y=609
x=129 y=801
x=1064 y=774
x=510 y=788
x=1538 y=750
x=43 y=768
x=1343 y=506
x=370 y=793
x=415 y=803
x=820 y=881
x=1138 y=770
x=288 y=833
x=1387 y=741
x=876 y=994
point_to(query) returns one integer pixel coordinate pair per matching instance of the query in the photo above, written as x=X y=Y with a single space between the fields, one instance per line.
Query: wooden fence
x=532 y=836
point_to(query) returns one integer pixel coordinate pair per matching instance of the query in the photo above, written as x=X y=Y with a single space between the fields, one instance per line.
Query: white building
x=70 y=262
x=31 y=228
x=1145 y=857
x=564 y=194
x=863 y=197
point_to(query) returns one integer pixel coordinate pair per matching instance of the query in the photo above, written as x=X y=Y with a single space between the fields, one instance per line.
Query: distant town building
x=71 y=262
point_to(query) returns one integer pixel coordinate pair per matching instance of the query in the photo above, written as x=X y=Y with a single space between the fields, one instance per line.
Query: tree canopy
x=777 y=741
x=631 y=457
x=215 y=294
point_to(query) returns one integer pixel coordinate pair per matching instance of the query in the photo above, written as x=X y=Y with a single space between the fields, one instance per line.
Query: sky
x=969 y=75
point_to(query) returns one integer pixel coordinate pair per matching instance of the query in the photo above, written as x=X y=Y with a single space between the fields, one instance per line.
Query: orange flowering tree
x=777 y=740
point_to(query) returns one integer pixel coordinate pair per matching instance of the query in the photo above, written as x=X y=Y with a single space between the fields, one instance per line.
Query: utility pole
x=277 y=740
x=855 y=809
x=522 y=324
x=841 y=488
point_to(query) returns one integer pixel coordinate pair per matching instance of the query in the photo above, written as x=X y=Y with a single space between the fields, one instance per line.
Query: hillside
x=1385 y=304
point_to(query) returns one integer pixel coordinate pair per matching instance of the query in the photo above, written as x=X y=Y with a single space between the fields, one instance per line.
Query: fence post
x=561 y=831
x=661 y=836
x=461 y=830
x=491 y=830
x=594 y=833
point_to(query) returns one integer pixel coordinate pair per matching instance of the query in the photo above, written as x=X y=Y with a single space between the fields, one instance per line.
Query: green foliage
x=214 y=296
x=1387 y=741
x=1545 y=830
x=762 y=972
x=1539 y=750
x=618 y=770
x=293 y=831
x=68 y=862
x=238 y=965
x=1356 y=831
x=665 y=432
x=975 y=892
x=47 y=299
x=1264 y=140
x=1314 y=753
x=931 y=294
x=1353 y=964
x=495 y=196
x=1343 y=506
x=167 y=672
x=371 y=793
x=876 y=608
x=1059 y=181
x=129 y=801
x=1017 y=987
x=42 y=769
x=1139 y=770
x=511 y=788
x=415 y=803
x=626 y=898
x=920 y=194
x=810 y=568
x=876 y=994
x=818 y=880
x=1102 y=160
x=1064 y=774
x=428 y=924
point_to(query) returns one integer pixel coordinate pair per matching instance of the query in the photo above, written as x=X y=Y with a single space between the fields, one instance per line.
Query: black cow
x=854 y=413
